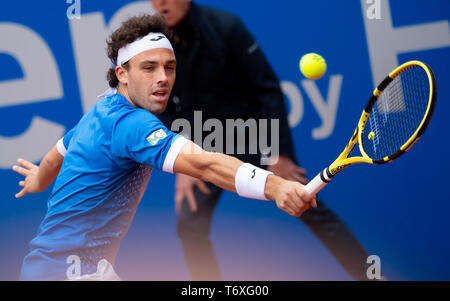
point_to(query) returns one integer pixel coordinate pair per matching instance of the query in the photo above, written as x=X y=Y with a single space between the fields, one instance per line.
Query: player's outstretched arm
x=38 y=178
x=233 y=175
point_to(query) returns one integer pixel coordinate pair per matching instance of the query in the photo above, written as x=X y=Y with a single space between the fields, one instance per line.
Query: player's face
x=150 y=79
x=173 y=11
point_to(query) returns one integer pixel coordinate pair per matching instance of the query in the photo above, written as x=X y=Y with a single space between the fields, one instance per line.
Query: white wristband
x=250 y=181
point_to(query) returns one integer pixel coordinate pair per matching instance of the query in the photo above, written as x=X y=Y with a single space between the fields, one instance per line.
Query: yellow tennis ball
x=371 y=135
x=313 y=66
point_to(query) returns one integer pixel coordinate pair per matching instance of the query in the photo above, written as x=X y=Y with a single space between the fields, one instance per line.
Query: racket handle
x=319 y=182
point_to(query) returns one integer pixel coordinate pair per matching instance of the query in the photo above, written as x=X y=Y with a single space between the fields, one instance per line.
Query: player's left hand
x=31 y=183
x=287 y=169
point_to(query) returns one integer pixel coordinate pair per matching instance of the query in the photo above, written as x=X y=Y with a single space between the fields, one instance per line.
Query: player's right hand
x=184 y=189
x=31 y=183
x=293 y=198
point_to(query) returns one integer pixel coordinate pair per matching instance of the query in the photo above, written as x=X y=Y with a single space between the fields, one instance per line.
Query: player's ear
x=122 y=74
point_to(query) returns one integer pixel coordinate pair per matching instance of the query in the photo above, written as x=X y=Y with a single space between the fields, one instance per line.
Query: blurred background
x=53 y=67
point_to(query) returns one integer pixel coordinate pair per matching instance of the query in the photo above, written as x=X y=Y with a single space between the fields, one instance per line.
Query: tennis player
x=102 y=166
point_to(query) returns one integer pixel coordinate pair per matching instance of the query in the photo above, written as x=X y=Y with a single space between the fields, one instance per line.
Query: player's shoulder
x=118 y=107
x=117 y=112
x=131 y=115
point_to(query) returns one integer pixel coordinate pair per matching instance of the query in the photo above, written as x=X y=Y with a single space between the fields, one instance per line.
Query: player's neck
x=121 y=89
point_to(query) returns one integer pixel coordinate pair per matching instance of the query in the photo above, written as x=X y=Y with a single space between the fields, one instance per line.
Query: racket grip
x=319 y=182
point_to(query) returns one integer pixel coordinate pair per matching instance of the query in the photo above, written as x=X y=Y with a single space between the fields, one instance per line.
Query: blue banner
x=54 y=65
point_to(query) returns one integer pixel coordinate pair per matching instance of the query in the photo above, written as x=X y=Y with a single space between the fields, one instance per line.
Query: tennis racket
x=396 y=116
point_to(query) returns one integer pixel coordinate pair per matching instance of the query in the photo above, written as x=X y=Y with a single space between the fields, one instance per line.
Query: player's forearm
x=215 y=168
x=226 y=172
x=49 y=168
x=221 y=171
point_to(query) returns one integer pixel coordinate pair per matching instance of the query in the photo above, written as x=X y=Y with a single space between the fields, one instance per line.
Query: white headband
x=151 y=41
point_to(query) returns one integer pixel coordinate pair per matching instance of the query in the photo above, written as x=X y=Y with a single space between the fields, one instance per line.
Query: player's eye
x=148 y=68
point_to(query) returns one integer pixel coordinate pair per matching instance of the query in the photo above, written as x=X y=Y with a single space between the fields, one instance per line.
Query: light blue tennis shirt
x=109 y=156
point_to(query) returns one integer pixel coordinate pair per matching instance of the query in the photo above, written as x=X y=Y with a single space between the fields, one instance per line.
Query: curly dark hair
x=131 y=30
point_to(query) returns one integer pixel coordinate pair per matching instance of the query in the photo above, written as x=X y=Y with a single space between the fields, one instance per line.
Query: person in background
x=222 y=72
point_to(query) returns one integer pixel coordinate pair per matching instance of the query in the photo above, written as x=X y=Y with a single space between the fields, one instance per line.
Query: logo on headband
x=157 y=38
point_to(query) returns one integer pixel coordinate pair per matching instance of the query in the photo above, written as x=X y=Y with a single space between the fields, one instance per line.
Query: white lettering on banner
x=37 y=140
x=327 y=110
x=41 y=79
x=89 y=47
x=88 y=37
x=295 y=99
x=385 y=42
x=41 y=82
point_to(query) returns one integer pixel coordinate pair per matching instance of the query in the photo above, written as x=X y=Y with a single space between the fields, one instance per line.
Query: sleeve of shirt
x=141 y=137
x=63 y=144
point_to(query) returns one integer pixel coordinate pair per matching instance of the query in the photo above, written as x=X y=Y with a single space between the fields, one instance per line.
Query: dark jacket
x=222 y=72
